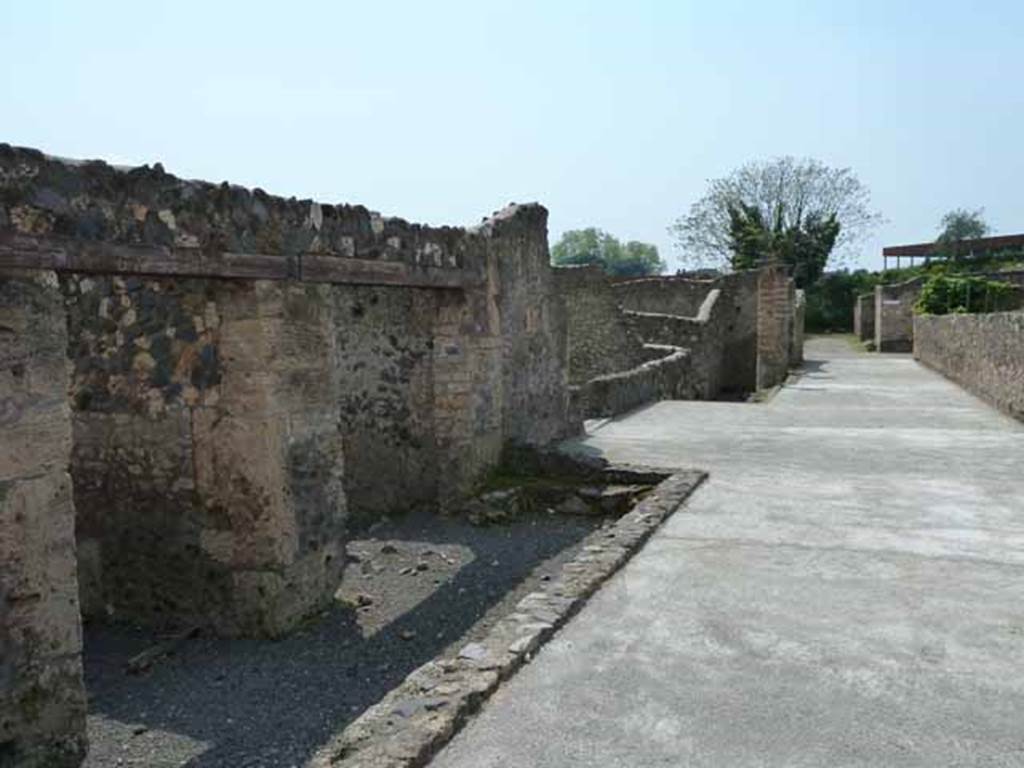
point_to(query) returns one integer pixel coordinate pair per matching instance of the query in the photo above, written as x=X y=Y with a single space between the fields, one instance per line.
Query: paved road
x=846 y=590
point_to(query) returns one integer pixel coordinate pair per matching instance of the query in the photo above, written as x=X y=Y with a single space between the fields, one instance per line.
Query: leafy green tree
x=788 y=192
x=802 y=243
x=957 y=226
x=831 y=297
x=594 y=246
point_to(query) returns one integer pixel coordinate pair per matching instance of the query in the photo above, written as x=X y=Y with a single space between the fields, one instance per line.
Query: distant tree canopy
x=959 y=225
x=802 y=243
x=594 y=246
x=795 y=200
x=831 y=297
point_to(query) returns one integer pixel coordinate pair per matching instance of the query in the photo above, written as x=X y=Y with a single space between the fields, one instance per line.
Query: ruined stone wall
x=796 y=350
x=665 y=377
x=720 y=329
x=534 y=328
x=739 y=310
x=382 y=347
x=864 y=317
x=208 y=460
x=500 y=354
x=42 y=697
x=983 y=353
x=703 y=336
x=894 y=315
x=601 y=341
x=774 y=326
x=663 y=295
x=251 y=373
x=894 y=309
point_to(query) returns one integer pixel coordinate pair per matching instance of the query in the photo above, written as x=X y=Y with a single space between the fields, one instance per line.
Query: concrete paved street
x=846 y=590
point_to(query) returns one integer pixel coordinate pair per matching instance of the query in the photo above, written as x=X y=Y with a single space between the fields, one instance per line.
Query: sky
x=611 y=114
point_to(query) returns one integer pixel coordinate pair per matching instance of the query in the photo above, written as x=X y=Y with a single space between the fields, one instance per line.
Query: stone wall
x=721 y=332
x=500 y=354
x=894 y=309
x=601 y=341
x=253 y=374
x=776 y=297
x=702 y=335
x=894 y=315
x=983 y=353
x=796 y=350
x=663 y=295
x=666 y=377
x=738 y=373
x=208 y=460
x=42 y=697
x=864 y=317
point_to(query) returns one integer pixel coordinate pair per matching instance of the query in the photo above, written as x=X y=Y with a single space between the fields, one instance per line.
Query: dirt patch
x=415 y=588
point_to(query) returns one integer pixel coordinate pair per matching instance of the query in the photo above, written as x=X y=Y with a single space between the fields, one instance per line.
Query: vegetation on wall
x=594 y=246
x=945 y=294
x=830 y=299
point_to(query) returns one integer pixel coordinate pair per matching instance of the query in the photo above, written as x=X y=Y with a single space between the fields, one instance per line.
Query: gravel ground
x=413 y=588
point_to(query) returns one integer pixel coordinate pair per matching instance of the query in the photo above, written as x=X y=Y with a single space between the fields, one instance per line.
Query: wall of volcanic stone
x=723 y=339
x=252 y=374
x=42 y=697
x=664 y=295
x=601 y=340
x=983 y=353
x=207 y=460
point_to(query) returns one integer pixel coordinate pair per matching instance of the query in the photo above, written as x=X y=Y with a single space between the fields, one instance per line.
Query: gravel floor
x=425 y=584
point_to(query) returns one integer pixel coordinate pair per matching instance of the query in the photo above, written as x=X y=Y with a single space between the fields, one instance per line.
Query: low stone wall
x=702 y=336
x=601 y=341
x=42 y=697
x=716 y=319
x=666 y=378
x=983 y=353
x=413 y=721
x=663 y=295
x=894 y=310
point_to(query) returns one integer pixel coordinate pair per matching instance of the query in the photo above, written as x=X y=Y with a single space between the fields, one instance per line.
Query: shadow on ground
x=220 y=703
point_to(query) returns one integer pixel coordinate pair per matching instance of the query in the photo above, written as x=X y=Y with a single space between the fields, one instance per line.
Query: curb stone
x=415 y=720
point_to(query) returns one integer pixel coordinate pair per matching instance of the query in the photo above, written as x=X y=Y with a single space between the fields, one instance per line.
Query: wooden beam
x=85 y=256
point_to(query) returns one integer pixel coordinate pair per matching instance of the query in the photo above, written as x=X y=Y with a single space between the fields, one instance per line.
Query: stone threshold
x=418 y=718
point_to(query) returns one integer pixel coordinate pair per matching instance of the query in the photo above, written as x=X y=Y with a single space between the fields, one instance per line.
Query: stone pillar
x=42 y=697
x=773 y=321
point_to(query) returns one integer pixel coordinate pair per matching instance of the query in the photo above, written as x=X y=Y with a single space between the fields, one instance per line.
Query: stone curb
x=416 y=719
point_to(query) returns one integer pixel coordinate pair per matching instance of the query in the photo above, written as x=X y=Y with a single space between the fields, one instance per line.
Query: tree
x=957 y=226
x=594 y=246
x=802 y=244
x=792 y=191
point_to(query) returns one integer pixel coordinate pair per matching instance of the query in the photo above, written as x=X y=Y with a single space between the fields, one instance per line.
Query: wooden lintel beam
x=84 y=256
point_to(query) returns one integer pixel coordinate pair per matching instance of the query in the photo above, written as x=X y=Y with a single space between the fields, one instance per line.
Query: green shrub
x=945 y=294
x=831 y=297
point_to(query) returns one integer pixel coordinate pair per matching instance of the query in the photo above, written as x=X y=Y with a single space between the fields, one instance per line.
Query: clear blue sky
x=611 y=114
